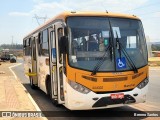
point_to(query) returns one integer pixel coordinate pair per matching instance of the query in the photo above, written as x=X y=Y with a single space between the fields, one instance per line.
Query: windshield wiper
x=121 y=48
x=101 y=60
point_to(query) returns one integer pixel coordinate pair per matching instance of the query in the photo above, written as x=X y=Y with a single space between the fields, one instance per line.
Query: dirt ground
x=154 y=61
x=4 y=68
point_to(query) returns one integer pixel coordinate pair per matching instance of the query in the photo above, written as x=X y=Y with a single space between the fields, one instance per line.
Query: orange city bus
x=89 y=60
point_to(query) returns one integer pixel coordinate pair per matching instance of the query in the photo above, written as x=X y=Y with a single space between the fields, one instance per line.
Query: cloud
x=18 y=14
x=38 y=1
x=156 y=14
x=50 y=9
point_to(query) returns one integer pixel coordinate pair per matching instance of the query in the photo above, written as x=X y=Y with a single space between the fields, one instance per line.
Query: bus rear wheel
x=31 y=83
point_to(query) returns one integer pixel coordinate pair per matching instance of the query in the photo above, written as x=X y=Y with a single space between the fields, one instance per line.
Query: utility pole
x=12 y=42
x=38 y=18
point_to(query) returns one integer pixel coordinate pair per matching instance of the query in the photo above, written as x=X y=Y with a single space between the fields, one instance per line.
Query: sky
x=17 y=17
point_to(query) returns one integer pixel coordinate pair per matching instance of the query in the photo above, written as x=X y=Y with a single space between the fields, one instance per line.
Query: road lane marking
x=10 y=68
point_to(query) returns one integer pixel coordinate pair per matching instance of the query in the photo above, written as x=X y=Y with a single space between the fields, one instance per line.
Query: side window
x=24 y=43
x=131 y=42
x=29 y=42
x=27 y=49
x=60 y=34
x=40 y=44
x=34 y=50
x=44 y=47
x=24 y=47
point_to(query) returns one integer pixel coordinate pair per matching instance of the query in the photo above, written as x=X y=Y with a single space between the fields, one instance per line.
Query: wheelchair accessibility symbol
x=121 y=63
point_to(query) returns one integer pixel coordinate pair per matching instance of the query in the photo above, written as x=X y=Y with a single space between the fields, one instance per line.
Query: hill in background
x=155 y=46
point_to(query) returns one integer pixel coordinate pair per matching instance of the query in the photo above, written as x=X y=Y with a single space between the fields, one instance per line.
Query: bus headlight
x=143 y=83
x=78 y=87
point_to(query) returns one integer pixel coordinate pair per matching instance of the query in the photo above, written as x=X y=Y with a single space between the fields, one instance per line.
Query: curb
x=30 y=97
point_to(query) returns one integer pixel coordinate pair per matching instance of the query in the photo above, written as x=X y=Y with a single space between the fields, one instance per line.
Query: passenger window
x=34 y=50
x=39 y=43
x=45 y=36
x=27 y=47
x=29 y=42
x=45 y=49
x=60 y=34
x=24 y=43
x=44 y=44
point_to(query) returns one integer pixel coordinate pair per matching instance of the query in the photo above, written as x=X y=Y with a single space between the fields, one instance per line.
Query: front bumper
x=77 y=101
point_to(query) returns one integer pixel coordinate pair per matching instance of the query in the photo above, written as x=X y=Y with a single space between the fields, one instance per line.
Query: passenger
x=101 y=45
x=83 y=44
x=74 y=47
x=92 y=44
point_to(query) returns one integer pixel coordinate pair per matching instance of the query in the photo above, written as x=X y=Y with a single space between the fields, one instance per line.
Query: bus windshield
x=89 y=37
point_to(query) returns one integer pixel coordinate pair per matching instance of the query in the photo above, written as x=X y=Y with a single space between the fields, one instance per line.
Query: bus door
x=52 y=51
x=56 y=63
x=59 y=30
x=34 y=61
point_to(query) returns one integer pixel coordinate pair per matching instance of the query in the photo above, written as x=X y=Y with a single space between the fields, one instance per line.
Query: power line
x=38 y=17
x=12 y=41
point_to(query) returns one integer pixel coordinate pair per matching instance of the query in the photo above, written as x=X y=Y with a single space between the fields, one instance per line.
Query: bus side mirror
x=63 y=44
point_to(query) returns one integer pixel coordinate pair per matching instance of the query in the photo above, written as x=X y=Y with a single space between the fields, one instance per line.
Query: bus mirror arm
x=63 y=44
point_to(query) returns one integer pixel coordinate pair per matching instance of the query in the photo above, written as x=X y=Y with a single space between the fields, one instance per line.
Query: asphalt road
x=45 y=103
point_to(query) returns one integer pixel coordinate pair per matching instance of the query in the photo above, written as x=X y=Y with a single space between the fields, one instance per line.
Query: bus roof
x=66 y=14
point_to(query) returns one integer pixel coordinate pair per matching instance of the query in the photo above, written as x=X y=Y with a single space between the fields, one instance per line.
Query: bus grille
x=114 y=79
x=89 y=78
x=104 y=101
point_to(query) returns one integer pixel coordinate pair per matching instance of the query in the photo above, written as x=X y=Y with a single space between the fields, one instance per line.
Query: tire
x=49 y=92
x=49 y=87
x=12 y=61
x=31 y=83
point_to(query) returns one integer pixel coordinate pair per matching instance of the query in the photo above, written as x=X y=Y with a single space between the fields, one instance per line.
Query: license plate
x=117 y=96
